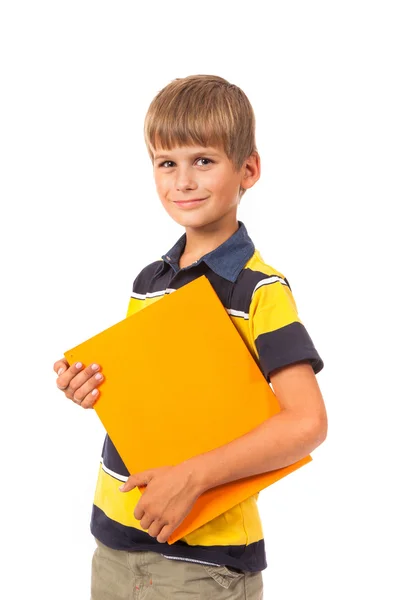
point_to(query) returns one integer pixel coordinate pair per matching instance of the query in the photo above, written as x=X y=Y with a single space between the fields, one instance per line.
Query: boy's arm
x=281 y=440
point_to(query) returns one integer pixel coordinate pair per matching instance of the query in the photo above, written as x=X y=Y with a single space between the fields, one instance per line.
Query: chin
x=189 y=218
x=193 y=221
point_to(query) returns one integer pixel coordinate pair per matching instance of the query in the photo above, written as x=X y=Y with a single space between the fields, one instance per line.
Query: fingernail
x=95 y=367
x=95 y=392
x=78 y=365
x=98 y=376
x=60 y=370
x=121 y=487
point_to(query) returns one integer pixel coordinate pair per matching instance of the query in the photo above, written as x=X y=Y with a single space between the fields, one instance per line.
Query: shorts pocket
x=223 y=575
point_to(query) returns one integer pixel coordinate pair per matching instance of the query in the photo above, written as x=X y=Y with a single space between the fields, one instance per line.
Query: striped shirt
x=260 y=304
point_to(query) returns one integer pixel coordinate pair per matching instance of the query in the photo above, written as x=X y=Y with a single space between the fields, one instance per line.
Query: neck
x=201 y=240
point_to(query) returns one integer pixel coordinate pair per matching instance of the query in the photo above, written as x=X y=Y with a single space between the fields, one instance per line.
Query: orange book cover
x=180 y=381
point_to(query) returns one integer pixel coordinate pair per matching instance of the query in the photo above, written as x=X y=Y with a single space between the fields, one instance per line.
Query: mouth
x=188 y=203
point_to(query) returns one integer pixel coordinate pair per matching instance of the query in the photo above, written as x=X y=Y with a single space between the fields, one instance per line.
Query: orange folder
x=180 y=381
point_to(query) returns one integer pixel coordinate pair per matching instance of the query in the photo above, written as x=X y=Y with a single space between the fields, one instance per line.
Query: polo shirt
x=261 y=305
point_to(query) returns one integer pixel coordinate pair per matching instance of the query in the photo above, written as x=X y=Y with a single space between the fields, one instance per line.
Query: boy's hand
x=78 y=384
x=167 y=500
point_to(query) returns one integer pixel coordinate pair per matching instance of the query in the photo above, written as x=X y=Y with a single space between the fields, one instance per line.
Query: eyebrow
x=195 y=153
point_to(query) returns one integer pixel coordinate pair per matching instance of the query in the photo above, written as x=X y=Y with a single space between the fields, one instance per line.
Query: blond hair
x=202 y=109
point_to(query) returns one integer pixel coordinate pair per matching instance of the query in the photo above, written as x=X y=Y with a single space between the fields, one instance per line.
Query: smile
x=190 y=203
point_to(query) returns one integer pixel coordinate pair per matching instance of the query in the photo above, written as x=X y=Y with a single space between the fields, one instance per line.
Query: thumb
x=135 y=480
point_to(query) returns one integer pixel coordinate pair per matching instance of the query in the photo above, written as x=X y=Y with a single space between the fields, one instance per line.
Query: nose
x=185 y=178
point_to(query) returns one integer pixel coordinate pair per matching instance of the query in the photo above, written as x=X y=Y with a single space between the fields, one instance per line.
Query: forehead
x=189 y=151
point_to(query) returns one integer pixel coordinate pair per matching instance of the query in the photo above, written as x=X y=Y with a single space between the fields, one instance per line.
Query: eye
x=203 y=158
x=171 y=162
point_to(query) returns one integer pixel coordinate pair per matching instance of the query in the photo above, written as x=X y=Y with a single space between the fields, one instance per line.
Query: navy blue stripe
x=111 y=458
x=245 y=286
x=235 y=296
x=286 y=346
x=120 y=537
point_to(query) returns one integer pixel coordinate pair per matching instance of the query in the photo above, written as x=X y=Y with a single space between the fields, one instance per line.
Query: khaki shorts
x=121 y=575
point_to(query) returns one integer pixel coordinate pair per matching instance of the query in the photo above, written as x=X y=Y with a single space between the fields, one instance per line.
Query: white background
x=80 y=217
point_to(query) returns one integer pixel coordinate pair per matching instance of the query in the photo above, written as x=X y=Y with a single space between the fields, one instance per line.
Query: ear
x=252 y=170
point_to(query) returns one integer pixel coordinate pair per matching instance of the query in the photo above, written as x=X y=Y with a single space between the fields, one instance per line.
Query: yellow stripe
x=274 y=308
x=273 y=305
x=134 y=306
x=117 y=505
x=239 y=525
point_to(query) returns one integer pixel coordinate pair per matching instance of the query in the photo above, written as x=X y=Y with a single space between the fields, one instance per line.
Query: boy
x=200 y=135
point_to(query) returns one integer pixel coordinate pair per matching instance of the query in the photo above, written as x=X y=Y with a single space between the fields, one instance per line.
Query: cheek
x=160 y=186
x=221 y=182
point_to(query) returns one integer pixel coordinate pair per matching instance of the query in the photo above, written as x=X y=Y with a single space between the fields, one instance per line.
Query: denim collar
x=227 y=260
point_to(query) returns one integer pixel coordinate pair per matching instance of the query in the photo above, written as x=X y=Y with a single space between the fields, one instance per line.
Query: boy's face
x=195 y=172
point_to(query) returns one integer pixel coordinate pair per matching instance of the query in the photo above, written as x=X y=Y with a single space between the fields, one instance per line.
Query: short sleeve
x=280 y=337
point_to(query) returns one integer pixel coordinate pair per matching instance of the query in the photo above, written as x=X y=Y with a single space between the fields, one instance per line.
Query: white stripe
x=138 y=296
x=237 y=313
x=230 y=311
x=112 y=473
x=152 y=294
x=148 y=295
x=191 y=560
x=268 y=281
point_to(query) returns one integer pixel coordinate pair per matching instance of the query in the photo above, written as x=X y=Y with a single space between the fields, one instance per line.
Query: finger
x=60 y=366
x=87 y=387
x=64 y=378
x=148 y=521
x=164 y=534
x=155 y=528
x=90 y=400
x=75 y=376
x=129 y=485
x=139 y=511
